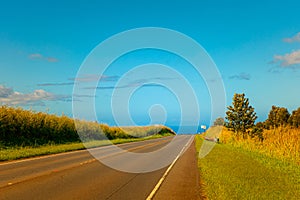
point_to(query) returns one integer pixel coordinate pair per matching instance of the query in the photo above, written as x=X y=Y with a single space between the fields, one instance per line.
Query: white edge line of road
x=60 y=154
x=161 y=180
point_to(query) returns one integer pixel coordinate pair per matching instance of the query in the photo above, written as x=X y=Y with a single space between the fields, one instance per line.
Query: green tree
x=260 y=125
x=257 y=130
x=240 y=116
x=278 y=116
x=219 y=121
x=294 y=119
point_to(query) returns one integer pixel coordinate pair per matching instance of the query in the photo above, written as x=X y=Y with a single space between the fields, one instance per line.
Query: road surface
x=79 y=175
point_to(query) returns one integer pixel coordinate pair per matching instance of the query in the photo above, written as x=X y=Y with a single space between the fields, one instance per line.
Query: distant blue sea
x=186 y=129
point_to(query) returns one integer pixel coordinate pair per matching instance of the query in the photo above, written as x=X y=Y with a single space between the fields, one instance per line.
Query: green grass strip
x=233 y=173
x=26 y=152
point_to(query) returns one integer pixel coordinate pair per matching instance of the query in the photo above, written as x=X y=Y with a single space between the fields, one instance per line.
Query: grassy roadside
x=26 y=152
x=234 y=173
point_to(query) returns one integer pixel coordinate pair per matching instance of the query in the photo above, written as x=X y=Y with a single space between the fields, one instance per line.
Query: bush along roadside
x=19 y=127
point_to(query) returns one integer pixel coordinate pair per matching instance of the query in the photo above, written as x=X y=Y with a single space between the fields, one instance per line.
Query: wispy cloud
x=153 y=79
x=35 y=56
x=95 y=77
x=55 y=84
x=5 y=92
x=241 y=76
x=38 y=56
x=288 y=60
x=51 y=59
x=10 y=97
x=275 y=70
x=152 y=85
x=126 y=86
x=135 y=83
x=151 y=82
x=295 y=38
x=87 y=78
x=106 y=87
x=84 y=95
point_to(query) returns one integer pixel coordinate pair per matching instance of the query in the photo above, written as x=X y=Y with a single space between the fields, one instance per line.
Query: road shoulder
x=183 y=181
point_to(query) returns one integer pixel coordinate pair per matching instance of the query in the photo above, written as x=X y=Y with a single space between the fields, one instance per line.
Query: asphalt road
x=82 y=174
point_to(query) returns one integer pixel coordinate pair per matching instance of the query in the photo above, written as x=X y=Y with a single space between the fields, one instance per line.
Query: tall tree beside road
x=278 y=116
x=240 y=116
x=294 y=119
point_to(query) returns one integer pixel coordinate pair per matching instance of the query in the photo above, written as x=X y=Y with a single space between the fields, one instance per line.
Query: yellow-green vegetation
x=282 y=143
x=25 y=133
x=252 y=161
x=20 y=127
x=13 y=153
x=27 y=128
x=229 y=172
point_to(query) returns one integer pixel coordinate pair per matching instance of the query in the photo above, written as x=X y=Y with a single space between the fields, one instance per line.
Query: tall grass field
x=282 y=143
x=25 y=133
x=251 y=168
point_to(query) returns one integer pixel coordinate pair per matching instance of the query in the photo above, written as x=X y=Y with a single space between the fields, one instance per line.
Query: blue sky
x=254 y=44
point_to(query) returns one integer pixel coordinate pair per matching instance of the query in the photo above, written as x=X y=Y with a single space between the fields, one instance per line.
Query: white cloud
x=295 y=38
x=10 y=97
x=38 y=56
x=5 y=92
x=289 y=59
